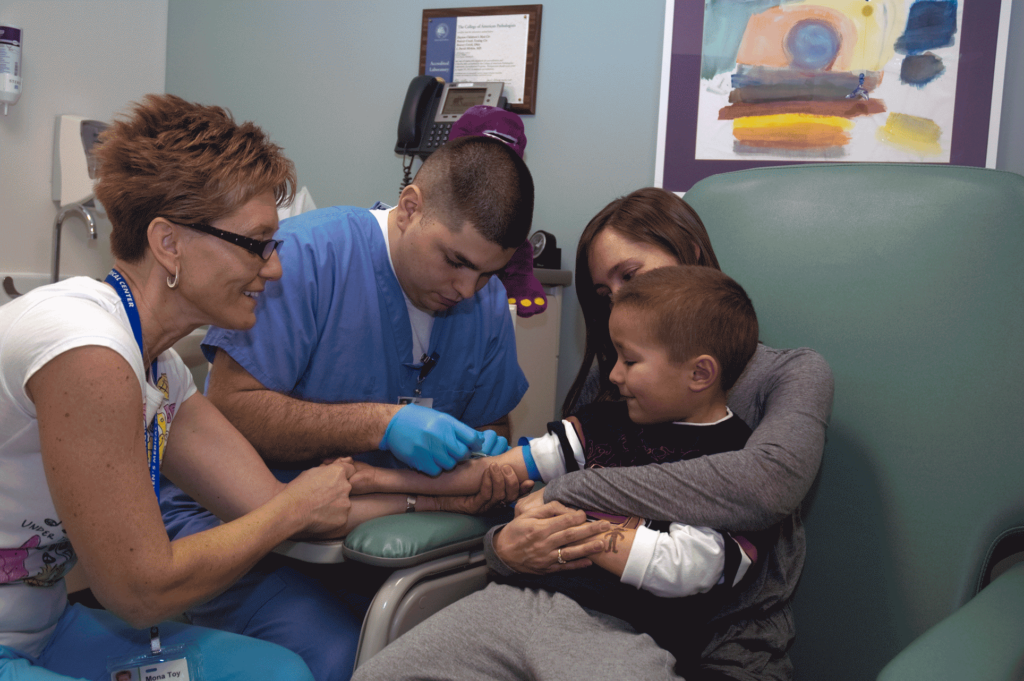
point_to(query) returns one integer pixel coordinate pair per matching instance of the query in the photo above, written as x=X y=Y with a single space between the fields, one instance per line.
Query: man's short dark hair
x=481 y=181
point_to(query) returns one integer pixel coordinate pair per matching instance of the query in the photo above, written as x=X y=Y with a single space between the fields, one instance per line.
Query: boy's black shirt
x=611 y=439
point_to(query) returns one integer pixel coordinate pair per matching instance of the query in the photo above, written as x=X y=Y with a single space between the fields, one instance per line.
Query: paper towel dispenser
x=74 y=168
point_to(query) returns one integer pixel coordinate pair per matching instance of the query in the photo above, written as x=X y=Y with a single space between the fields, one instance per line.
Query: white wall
x=84 y=57
x=1011 y=141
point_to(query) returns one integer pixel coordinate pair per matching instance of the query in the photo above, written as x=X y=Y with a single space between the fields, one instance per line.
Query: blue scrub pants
x=85 y=638
x=317 y=613
x=313 y=610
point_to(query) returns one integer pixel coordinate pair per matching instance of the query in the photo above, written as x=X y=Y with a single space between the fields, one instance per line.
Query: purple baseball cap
x=491 y=121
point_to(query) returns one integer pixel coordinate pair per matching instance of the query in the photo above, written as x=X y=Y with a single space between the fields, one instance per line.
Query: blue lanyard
x=152 y=430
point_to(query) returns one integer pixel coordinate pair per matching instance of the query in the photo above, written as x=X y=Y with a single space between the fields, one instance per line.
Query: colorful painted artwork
x=828 y=80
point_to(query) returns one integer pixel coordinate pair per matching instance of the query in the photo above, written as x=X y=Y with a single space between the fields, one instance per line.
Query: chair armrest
x=399 y=541
x=324 y=552
x=983 y=640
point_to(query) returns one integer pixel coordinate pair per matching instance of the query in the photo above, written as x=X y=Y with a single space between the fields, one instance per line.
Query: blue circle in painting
x=812 y=44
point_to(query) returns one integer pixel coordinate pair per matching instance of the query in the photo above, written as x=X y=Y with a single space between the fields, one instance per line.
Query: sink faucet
x=81 y=211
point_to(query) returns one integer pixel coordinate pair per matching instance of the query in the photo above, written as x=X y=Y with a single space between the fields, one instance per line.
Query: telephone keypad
x=438 y=134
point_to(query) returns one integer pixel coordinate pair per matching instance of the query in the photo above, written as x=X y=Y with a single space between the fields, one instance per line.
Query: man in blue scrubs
x=388 y=337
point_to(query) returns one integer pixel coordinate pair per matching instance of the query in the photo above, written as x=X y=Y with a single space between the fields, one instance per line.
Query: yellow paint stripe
x=791 y=120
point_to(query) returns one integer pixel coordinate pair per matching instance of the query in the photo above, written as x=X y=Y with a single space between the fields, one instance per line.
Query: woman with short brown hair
x=89 y=388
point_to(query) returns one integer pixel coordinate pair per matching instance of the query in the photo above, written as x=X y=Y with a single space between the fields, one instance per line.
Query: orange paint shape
x=764 y=39
x=845 y=108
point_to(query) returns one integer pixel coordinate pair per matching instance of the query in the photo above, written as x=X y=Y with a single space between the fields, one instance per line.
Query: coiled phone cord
x=407 y=162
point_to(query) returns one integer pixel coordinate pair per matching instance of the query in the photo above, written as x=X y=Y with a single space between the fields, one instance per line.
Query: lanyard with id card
x=416 y=398
x=152 y=431
x=181 y=662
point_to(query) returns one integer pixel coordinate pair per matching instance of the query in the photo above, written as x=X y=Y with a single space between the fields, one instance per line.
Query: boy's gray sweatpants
x=505 y=632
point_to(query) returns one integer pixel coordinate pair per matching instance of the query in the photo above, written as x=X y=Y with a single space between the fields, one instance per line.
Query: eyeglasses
x=264 y=249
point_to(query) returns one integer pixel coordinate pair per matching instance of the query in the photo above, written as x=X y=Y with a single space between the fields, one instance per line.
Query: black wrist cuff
x=558 y=429
x=732 y=560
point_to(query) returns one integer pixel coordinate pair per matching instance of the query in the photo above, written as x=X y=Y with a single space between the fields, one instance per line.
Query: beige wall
x=84 y=57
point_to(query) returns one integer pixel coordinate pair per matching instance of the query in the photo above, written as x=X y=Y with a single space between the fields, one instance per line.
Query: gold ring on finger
x=561 y=560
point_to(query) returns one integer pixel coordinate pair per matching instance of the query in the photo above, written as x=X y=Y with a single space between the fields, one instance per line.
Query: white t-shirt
x=35 y=553
x=422 y=322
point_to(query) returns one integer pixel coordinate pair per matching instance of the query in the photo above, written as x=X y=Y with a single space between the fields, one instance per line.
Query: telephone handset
x=418 y=100
x=432 y=105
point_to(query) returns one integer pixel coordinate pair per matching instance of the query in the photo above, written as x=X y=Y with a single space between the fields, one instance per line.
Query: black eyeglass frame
x=263 y=249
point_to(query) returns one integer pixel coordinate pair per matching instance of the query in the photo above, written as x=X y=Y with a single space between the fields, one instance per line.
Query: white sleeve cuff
x=686 y=560
x=640 y=555
x=547 y=453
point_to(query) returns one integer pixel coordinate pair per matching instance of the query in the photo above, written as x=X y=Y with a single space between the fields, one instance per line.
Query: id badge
x=427 y=402
x=181 y=662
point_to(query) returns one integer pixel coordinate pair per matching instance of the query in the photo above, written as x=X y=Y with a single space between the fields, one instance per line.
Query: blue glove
x=428 y=440
x=491 y=443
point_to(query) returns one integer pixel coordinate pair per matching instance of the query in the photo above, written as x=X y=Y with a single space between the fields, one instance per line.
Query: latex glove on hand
x=491 y=443
x=427 y=440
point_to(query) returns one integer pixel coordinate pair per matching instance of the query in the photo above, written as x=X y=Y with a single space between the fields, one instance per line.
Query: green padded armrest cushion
x=399 y=541
x=983 y=640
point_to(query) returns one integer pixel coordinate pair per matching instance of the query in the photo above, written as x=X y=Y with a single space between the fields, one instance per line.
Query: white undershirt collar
x=422 y=323
x=728 y=415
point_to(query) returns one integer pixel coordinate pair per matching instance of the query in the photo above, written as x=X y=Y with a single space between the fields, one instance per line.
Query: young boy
x=683 y=336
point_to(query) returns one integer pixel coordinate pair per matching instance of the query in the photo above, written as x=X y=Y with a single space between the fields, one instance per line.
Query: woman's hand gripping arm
x=89 y=407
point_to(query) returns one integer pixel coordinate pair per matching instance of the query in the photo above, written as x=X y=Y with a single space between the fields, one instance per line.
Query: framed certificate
x=485 y=44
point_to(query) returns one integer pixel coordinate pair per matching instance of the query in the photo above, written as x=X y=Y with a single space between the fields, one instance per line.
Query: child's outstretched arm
x=544 y=458
x=496 y=485
x=464 y=479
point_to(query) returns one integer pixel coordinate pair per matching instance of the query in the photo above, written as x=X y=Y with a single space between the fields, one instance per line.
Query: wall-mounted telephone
x=432 y=105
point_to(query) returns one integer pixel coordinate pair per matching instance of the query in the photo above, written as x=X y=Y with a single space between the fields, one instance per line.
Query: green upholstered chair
x=434 y=559
x=909 y=280
x=982 y=640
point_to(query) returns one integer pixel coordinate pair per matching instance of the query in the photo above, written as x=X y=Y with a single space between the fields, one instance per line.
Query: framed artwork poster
x=749 y=83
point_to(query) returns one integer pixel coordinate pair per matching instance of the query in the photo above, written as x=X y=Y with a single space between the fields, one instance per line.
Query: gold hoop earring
x=173 y=283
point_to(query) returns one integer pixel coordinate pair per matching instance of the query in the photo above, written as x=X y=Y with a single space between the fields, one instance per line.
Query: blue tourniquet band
x=531 y=466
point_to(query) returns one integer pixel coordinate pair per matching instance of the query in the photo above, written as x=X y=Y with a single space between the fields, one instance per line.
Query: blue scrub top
x=335 y=328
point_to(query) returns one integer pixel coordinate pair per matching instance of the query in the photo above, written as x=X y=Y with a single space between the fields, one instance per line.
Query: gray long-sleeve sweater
x=786 y=397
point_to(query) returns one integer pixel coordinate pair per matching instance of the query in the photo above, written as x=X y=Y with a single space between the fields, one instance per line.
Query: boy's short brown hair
x=693 y=310
x=185 y=162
